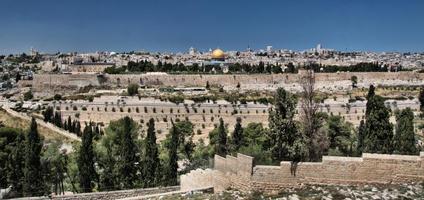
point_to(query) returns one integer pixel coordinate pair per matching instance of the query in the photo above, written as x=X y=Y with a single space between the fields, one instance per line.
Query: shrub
x=132 y=89
x=57 y=97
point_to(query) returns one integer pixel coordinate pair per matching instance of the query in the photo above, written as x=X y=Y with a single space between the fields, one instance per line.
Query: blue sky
x=175 y=25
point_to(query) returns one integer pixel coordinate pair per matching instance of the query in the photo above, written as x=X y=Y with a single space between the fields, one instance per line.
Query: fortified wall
x=240 y=172
x=324 y=81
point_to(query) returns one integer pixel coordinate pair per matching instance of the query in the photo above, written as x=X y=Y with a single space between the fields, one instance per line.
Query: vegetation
x=132 y=89
x=404 y=139
x=125 y=158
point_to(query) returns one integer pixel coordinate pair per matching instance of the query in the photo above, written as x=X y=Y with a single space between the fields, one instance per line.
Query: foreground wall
x=240 y=173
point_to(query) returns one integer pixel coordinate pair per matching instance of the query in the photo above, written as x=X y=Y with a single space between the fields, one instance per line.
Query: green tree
x=48 y=114
x=69 y=123
x=354 y=80
x=87 y=172
x=171 y=175
x=283 y=130
x=237 y=136
x=15 y=165
x=361 y=137
x=207 y=85
x=371 y=92
x=311 y=118
x=8 y=138
x=404 y=139
x=379 y=130
x=151 y=158
x=28 y=95
x=107 y=159
x=339 y=135
x=33 y=178
x=221 y=146
x=57 y=120
x=127 y=153
x=132 y=89
x=421 y=99
x=55 y=167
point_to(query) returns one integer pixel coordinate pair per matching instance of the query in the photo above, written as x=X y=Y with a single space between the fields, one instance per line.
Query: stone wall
x=240 y=173
x=324 y=81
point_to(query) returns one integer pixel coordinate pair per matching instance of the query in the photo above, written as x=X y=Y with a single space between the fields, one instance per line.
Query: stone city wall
x=240 y=173
x=324 y=81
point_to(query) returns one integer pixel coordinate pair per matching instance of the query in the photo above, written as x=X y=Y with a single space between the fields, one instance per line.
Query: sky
x=176 y=25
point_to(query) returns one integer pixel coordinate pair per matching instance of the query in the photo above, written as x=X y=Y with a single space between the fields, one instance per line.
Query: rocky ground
x=406 y=191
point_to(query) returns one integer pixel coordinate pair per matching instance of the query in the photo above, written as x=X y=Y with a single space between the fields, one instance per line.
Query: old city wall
x=240 y=173
x=331 y=81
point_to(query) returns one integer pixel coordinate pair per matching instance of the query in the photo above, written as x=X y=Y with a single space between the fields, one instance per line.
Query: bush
x=28 y=95
x=132 y=89
x=57 y=97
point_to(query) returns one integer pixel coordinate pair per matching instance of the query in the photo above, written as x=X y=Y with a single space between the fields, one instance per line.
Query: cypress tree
x=58 y=119
x=237 y=136
x=371 y=93
x=379 y=130
x=69 y=124
x=48 y=114
x=171 y=175
x=127 y=153
x=85 y=161
x=151 y=158
x=16 y=164
x=421 y=99
x=361 y=137
x=33 y=178
x=221 y=147
x=404 y=139
x=77 y=128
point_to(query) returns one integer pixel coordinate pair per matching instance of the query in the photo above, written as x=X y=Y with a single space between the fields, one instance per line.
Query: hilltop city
x=215 y=124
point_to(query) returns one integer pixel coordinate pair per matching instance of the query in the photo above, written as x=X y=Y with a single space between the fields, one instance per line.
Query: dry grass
x=15 y=122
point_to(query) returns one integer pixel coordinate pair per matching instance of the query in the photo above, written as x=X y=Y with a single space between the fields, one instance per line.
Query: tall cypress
x=404 y=139
x=127 y=153
x=70 y=124
x=379 y=130
x=33 y=178
x=421 y=99
x=16 y=164
x=86 y=169
x=361 y=137
x=57 y=120
x=237 y=136
x=371 y=94
x=221 y=147
x=151 y=157
x=171 y=175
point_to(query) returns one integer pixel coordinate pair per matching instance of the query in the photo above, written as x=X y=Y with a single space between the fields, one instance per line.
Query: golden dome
x=218 y=54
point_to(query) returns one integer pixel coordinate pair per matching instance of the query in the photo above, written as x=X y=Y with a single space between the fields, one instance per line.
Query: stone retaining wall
x=240 y=173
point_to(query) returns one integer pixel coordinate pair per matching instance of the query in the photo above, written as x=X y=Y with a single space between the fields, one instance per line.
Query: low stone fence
x=240 y=173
